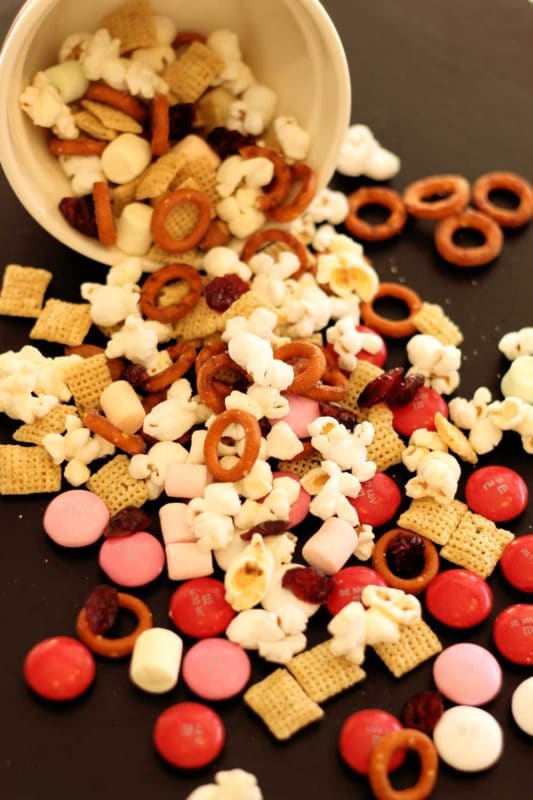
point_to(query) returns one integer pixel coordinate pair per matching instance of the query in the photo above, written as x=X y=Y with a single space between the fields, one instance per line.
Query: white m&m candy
x=522 y=706
x=468 y=738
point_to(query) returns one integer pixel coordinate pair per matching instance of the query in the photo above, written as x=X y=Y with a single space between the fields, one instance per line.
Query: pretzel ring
x=306 y=193
x=380 y=758
x=306 y=375
x=155 y=282
x=333 y=386
x=379 y=196
x=76 y=147
x=218 y=235
x=455 y=188
x=410 y=585
x=252 y=444
x=212 y=392
x=103 y=211
x=116 y=648
x=129 y=442
x=183 y=356
x=160 y=120
x=166 y=205
x=395 y=329
x=469 y=256
x=125 y=102
x=507 y=218
x=281 y=183
x=259 y=239
x=208 y=350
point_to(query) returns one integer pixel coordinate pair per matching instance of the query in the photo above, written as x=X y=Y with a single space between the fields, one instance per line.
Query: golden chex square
x=63 y=323
x=476 y=544
x=115 y=486
x=323 y=675
x=282 y=704
x=417 y=644
x=23 y=291
x=27 y=470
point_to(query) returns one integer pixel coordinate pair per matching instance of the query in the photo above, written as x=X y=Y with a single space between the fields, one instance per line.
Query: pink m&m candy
x=513 y=633
x=459 y=598
x=348 y=585
x=60 y=668
x=360 y=733
x=498 y=493
x=216 y=669
x=76 y=518
x=189 y=735
x=132 y=560
x=419 y=412
x=199 y=608
x=378 y=501
x=302 y=411
x=300 y=509
x=517 y=563
x=467 y=674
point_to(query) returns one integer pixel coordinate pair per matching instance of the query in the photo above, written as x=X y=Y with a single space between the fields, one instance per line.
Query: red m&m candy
x=378 y=501
x=189 y=735
x=513 y=633
x=199 y=608
x=517 y=563
x=498 y=493
x=348 y=585
x=459 y=598
x=419 y=412
x=60 y=668
x=360 y=733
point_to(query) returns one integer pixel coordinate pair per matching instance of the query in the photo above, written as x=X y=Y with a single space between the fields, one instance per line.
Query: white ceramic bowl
x=291 y=45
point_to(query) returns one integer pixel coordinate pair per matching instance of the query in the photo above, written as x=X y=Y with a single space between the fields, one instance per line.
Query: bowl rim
x=28 y=18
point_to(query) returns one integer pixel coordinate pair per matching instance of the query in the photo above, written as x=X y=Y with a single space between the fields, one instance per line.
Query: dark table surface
x=448 y=86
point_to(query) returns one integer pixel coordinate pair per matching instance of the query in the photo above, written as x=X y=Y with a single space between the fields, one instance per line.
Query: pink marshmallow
x=331 y=546
x=302 y=411
x=187 y=480
x=185 y=560
x=299 y=509
x=174 y=525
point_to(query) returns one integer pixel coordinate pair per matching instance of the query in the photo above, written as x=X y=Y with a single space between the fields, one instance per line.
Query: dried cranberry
x=423 y=711
x=273 y=527
x=136 y=375
x=343 y=415
x=378 y=390
x=405 y=555
x=228 y=143
x=308 y=584
x=222 y=292
x=181 y=118
x=129 y=520
x=406 y=390
x=79 y=213
x=101 y=608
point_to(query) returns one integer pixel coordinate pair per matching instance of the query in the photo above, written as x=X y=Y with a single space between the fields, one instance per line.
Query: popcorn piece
x=348 y=342
x=346 y=449
x=99 y=49
x=125 y=158
x=256 y=356
x=345 y=269
x=282 y=652
x=294 y=140
x=250 y=575
x=253 y=626
x=241 y=213
x=127 y=270
x=225 y=44
x=421 y=443
x=365 y=542
x=437 y=477
x=137 y=340
x=83 y=172
x=155 y=465
x=282 y=443
x=380 y=628
x=261 y=101
x=361 y=154
x=234 y=784
x=517 y=343
x=166 y=29
x=348 y=631
x=78 y=447
x=69 y=80
x=473 y=415
x=253 y=173
x=46 y=108
x=74 y=46
x=257 y=483
x=110 y=305
x=221 y=261
x=518 y=380
x=170 y=419
x=134 y=231
x=438 y=363
x=278 y=597
x=212 y=530
x=329 y=206
x=157 y=59
x=396 y=604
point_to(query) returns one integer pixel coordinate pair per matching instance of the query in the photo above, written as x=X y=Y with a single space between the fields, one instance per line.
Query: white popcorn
x=329 y=206
x=361 y=154
x=241 y=213
x=399 y=606
x=74 y=46
x=307 y=308
x=348 y=342
x=256 y=356
x=157 y=59
x=262 y=101
x=517 y=343
x=345 y=271
x=236 y=77
x=170 y=419
x=282 y=652
x=348 y=631
x=252 y=173
x=101 y=48
x=365 y=542
x=127 y=270
x=225 y=44
x=323 y=238
x=438 y=363
x=305 y=229
x=421 y=443
x=249 y=575
x=111 y=304
x=507 y=414
x=137 y=340
x=153 y=466
x=437 y=477
x=252 y=513
x=282 y=442
x=270 y=400
x=234 y=784
x=166 y=29
x=294 y=140
x=292 y=620
x=46 y=108
x=261 y=323
x=331 y=487
x=473 y=415
x=244 y=119
x=213 y=531
x=285 y=265
x=253 y=626
x=257 y=483
x=380 y=628
x=277 y=597
x=282 y=547
x=76 y=473
x=78 y=448
x=222 y=498
x=221 y=261
x=83 y=172
x=518 y=380
x=347 y=449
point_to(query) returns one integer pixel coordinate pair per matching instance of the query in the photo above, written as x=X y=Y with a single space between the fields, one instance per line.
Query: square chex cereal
x=323 y=675
x=417 y=644
x=23 y=291
x=476 y=544
x=282 y=704
x=63 y=323
x=27 y=470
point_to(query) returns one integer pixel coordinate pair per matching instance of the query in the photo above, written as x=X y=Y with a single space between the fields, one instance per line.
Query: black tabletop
x=448 y=86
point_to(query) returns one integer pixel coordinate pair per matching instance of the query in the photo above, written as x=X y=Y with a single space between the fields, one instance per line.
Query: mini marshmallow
x=156 y=660
x=196 y=448
x=174 y=521
x=518 y=380
x=76 y=473
x=127 y=270
x=122 y=406
x=186 y=560
x=194 y=147
x=125 y=158
x=187 y=480
x=225 y=44
x=348 y=631
x=437 y=476
x=517 y=343
x=294 y=140
x=331 y=546
x=361 y=154
x=134 y=233
x=69 y=80
x=166 y=29
x=249 y=575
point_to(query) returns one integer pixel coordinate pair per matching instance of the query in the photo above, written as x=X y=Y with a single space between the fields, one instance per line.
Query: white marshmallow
x=187 y=480
x=186 y=560
x=174 y=523
x=134 y=232
x=122 y=406
x=125 y=158
x=294 y=140
x=331 y=546
x=69 y=80
x=156 y=660
x=166 y=29
x=194 y=147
